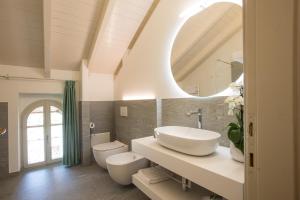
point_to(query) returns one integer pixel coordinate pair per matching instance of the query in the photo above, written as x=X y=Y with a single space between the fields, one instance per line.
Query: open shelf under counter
x=216 y=172
x=169 y=190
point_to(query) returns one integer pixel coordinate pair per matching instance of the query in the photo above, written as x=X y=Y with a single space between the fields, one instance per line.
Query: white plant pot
x=236 y=154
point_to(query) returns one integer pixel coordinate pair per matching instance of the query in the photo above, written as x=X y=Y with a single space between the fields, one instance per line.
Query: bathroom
x=170 y=99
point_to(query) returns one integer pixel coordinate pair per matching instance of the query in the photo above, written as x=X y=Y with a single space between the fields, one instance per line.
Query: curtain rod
x=7 y=77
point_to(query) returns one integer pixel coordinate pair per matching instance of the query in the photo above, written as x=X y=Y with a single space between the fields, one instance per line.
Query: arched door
x=42 y=133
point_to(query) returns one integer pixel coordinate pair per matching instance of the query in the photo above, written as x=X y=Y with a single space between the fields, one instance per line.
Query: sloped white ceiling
x=73 y=24
x=120 y=23
x=59 y=34
x=21 y=33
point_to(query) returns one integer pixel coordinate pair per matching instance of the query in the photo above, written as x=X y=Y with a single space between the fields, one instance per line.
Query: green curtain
x=71 y=155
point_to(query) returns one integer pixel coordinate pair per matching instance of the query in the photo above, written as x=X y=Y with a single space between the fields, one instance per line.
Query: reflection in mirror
x=207 y=54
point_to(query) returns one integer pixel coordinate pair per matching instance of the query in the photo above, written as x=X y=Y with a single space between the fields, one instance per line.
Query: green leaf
x=234 y=125
x=239 y=118
x=232 y=129
x=240 y=145
x=235 y=135
x=236 y=132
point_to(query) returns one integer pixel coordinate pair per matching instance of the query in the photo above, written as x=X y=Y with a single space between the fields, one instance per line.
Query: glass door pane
x=35 y=145
x=56 y=142
x=36 y=117
x=35 y=136
x=56 y=133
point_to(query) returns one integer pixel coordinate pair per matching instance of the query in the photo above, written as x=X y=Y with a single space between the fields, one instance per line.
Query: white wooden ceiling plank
x=121 y=24
x=21 y=35
x=73 y=23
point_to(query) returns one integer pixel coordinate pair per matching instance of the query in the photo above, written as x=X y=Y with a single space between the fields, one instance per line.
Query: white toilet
x=122 y=166
x=102 y=148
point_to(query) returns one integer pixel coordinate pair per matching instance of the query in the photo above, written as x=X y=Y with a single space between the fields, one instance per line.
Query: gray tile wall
x=214 y=112
x=102 y=114
x=145 y=115
x=84 y=129
x=141 y=120
x=4 y=140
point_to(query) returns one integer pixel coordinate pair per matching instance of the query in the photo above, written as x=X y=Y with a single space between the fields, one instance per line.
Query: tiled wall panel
x=145 y=115
x=102 y=114
x=214 y=114
x=4 y=140
x=140 y=122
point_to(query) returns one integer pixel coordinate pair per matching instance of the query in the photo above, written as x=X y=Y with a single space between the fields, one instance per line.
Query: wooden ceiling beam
x=91 y=52
x=138 y=32
x=47 y=36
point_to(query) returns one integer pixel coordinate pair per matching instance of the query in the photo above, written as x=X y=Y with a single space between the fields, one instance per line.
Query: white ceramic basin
x=192 y=141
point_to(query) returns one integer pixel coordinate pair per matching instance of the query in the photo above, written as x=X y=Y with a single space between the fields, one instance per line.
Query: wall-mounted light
x=138 y=97
x=2 y=131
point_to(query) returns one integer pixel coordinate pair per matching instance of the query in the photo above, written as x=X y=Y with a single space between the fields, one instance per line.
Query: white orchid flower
x=232 y=105
x=229 y=99
x=236 y=101
x=236 y=87
x=239 y=100
x=230 y=112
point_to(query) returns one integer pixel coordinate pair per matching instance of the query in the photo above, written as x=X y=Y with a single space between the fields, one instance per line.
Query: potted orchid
x=236 y=129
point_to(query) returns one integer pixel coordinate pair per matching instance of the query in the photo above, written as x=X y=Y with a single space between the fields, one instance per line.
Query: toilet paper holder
x=92 y=127
x=2 y=131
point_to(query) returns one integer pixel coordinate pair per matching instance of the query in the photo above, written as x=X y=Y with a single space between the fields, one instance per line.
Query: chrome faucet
x=199 y=113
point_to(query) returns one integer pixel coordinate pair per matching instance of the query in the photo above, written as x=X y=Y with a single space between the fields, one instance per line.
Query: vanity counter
x=217 y=172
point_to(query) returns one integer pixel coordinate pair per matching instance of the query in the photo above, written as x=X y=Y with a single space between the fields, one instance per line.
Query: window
x=43 y=133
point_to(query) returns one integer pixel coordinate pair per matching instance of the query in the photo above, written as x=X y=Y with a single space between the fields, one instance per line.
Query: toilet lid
x=108 y=146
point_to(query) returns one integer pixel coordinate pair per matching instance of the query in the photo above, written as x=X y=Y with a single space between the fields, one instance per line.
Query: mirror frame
x=186 y=15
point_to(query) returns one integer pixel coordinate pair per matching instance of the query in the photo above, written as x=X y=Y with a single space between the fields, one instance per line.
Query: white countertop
x=216 y=172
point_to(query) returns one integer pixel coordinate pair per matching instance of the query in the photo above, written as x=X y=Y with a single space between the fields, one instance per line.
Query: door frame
x=46 y=103
x=270 y=81
x=297 y=98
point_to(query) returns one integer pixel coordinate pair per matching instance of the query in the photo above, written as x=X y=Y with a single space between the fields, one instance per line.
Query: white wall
x=146 y=71
x=100 y=87
x=96 y=86
x=11 y=91
x=26 y=99
x=20 y=93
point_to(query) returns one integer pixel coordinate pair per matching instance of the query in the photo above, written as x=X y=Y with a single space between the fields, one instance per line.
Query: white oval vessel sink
x=192 y=141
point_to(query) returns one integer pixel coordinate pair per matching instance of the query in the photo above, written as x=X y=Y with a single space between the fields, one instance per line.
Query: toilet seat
x=108 y=146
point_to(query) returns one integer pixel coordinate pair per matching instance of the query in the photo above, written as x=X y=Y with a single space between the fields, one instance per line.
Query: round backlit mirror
x=207 y=54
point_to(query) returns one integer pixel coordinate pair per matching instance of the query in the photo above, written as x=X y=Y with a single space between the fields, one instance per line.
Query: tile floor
x=56 y=182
